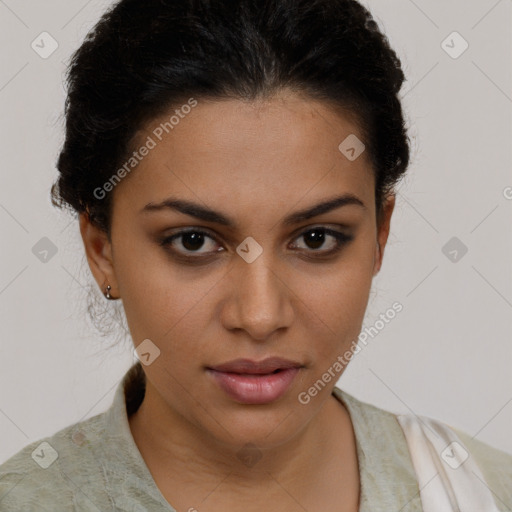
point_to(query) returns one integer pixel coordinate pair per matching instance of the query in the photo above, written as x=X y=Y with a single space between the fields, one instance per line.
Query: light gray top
x=95 y=465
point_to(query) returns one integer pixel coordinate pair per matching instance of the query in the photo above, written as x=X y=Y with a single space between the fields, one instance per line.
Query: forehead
x=234 y=151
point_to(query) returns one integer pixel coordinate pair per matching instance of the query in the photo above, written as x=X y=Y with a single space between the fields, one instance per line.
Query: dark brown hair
x=142 y=58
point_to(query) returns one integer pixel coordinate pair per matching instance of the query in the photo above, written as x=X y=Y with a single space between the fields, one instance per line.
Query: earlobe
x=98 y=250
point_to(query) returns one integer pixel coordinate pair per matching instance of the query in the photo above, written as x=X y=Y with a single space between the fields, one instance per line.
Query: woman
x=233 y=165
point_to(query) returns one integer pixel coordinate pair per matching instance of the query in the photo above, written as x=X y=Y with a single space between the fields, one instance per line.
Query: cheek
x=158 y=294
x=335 y=302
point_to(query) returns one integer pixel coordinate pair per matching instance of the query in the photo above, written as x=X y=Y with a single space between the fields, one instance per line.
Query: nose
x=259 y=300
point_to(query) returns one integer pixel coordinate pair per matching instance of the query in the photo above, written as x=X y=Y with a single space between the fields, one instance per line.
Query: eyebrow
x=208 y=215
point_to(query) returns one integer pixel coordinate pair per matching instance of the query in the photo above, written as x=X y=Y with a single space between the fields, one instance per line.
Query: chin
x=256 y=425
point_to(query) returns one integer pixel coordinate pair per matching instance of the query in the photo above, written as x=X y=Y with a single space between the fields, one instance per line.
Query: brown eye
x=190 y=242
x=314 y=239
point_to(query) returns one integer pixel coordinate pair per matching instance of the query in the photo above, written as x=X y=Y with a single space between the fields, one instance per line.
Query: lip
x=255 y=382
x=247 y=366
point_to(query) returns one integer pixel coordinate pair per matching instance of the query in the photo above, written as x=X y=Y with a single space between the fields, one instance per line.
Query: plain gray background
x=447 y=355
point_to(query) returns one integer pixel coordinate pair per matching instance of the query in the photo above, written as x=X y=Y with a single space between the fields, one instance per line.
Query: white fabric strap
x=448 y=477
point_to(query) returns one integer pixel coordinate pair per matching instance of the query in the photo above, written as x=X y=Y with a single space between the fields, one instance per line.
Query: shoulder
x=495 y=465
x=52 y=473
x=388 y=478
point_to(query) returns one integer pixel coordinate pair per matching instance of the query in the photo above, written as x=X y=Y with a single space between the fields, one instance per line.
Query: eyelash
x=341 y=239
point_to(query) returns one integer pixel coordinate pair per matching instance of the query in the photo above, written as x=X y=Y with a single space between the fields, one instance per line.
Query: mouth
x=250 y=382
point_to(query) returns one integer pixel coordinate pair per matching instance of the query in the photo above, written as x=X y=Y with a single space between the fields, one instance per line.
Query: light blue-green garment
x=99 y=468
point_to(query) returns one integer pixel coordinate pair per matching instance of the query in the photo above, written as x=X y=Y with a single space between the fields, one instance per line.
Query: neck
x=179 y=453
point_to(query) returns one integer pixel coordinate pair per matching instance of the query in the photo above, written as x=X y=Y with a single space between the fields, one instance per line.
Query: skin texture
x=256 y=162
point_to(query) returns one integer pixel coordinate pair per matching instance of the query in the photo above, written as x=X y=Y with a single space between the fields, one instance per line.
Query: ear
x=383 y=227
x=98 y=249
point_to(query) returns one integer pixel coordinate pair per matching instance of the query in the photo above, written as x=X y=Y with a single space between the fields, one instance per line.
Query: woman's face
x=265 y=279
